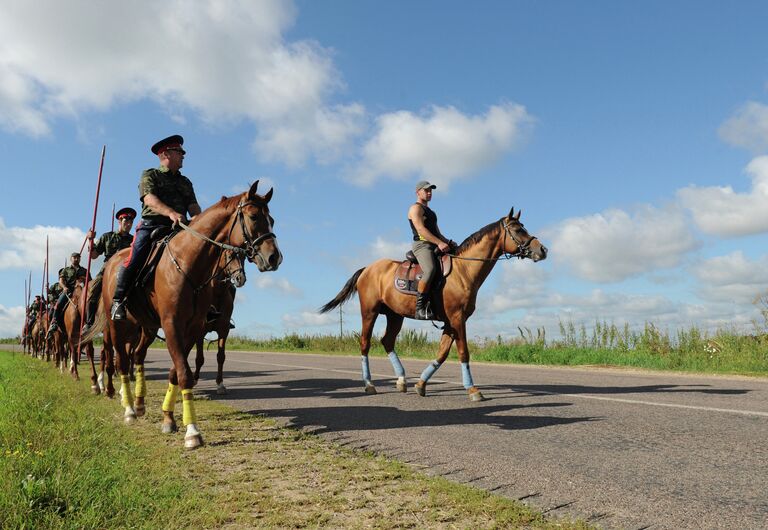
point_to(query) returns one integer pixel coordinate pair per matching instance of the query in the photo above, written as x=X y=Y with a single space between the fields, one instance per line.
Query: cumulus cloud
x=268 y=281
x=11 y=321
x=615 y=245
x=379 y=248
x=441 y=144
x=224 y=61
x=523 y=284
x=24 y=248
x=747 y=128
x=306 y=319
x=732 y=278
x=723 y=212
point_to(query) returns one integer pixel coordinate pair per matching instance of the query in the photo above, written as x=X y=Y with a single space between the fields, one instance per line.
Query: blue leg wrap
x=466 y=376
x=396 y=364
x=366 y=369
x=429 y=371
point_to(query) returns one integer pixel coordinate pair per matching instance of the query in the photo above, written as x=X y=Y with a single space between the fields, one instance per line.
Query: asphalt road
x=621 y=449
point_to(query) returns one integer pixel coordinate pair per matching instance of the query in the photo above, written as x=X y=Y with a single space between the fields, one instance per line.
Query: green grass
x=67 y=461
x=690 y=350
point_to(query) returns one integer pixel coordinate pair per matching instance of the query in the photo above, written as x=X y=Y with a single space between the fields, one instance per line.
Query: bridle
x=523 y=248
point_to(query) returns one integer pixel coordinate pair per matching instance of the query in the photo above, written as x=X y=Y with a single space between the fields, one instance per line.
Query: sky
x=633 y=136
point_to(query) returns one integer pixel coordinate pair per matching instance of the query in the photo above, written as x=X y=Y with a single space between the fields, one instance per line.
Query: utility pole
x=341 y=323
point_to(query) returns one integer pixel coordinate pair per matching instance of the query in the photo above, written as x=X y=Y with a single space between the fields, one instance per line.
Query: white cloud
x=11 y=321
x=614 y=245
x=723 y=212
x=747 y=128
x=441 y=145
x=24 y=248
x=523 y=284
x=379 y=248
x=732 y=278
x=268 y=281
x=226 y=61
x=309 y=319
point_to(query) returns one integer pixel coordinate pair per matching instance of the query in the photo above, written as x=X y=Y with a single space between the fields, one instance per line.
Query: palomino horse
x=224 y=302
x=72 y=321
x=177 y=297
x=472 y=263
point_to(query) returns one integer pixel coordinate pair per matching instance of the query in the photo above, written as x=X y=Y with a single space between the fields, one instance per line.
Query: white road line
x=534 y=392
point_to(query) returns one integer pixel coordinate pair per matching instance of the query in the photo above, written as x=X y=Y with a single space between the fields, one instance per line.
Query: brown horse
x=37 y=337
x=472 y=263
x=224 y=302
x=177 y=297
x=72 y=321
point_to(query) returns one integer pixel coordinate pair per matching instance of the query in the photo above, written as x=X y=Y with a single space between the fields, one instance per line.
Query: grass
x=67 y=461
x=690 y=350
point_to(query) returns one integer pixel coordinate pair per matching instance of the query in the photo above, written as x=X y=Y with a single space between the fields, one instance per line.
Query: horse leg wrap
x=366 y=370
x=396 y=364
x=430 y=370
x=127 y=400
x=189 y=406
x=171 y=396
x=141 y=382
x=466 y=376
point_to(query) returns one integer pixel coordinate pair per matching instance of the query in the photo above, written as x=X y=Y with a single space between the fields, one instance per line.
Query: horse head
x=234 y=269
x=518 y=242
x=256 y=233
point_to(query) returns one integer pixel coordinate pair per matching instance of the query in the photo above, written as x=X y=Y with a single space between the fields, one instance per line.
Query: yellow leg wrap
x=189 y=406
x=127 y=400
x=141 y=382
x=171 y=396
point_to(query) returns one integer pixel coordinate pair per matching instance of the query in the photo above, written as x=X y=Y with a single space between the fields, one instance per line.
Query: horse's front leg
x=466 y=376
x=446 y=341
x=179 y=347
x=74 y=343
x=220 y=358
x=139 y=354
x=95 y=388
x=200 y=357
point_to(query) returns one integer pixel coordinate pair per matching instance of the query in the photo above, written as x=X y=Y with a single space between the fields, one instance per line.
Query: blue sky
x=633 y=136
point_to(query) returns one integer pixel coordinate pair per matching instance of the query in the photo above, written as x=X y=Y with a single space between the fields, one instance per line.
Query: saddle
x=160 y=237
x=408 y=273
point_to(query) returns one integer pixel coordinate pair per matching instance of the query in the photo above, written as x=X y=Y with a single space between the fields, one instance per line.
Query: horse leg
x=200 y=357
x=369 y=319
x=129 y=416
x=442 y=354
x=179 y=350
x=394 y=325
x=220 y=357
x=94 y=380
x=139 y=355
x=466 y=375
x=169 y=403
x=102 y=368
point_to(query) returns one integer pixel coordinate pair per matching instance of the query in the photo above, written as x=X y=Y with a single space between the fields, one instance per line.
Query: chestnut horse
x=72 y=320
x=472 y=263
x=224 y=302
x=39 y=330
x=179 y=293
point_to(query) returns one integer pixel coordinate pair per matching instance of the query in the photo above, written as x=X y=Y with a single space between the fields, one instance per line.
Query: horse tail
x=345 y=294
x=98 y=326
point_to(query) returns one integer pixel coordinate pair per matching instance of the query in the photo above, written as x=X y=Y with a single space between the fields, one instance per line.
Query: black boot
x=423 y=307
x=117 y=311
x=90 y=314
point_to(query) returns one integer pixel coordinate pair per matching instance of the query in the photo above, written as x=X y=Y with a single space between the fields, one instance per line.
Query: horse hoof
x=421 y=388
x=193 y=442
x=402 y=386
x=169 y=428
x=476 y=396
x=130 y=419
x=96 y=390
x=140 y=411
x=370 y=389
x=221 y=390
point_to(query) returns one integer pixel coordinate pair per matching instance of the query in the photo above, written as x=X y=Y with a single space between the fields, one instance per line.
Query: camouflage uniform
x=109 y=244
x=54 y=291
x=34 y=309
x=70 y=275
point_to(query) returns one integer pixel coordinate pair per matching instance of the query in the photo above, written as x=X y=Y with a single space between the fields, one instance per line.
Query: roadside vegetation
x=67 y=461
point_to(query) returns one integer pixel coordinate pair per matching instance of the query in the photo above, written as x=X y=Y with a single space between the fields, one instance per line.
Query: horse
x=72 y=324
x=178 y=294
x=224 y=302
x=472 y=262
x=39 y=330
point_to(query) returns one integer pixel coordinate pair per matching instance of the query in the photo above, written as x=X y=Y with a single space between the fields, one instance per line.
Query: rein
x=523 y=249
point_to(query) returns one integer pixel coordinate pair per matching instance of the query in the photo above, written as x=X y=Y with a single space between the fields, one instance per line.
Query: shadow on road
x=581 y=389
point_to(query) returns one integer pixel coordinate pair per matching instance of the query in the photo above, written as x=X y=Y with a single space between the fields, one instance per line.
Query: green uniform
x=110 y=243
x=54 y=291
x=70 y=275
x=173 y=189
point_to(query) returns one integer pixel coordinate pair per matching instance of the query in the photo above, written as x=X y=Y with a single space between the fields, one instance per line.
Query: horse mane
x=477 y=236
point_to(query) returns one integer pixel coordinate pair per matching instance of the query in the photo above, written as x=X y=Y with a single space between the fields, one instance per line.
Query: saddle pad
x=408 y=274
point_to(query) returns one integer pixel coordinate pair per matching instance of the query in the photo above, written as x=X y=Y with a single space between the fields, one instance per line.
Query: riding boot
x=117 y=311
x=90 y=315
x=423 y=307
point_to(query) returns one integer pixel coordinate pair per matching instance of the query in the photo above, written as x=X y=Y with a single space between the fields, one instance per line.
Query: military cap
x=126 y=212
x=175 y=141
x=74 y=255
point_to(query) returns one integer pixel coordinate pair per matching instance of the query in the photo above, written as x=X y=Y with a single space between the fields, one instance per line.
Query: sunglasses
x=178 y=150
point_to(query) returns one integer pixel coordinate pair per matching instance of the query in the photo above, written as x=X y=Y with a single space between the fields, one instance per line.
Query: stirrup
x=118 y=310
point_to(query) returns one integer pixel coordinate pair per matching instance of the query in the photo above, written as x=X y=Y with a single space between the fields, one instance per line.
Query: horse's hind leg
x=369 y=319
x=394 y=325
x=139 y=355
x=94 y=379
x=200 y=357
x=442 y=354
x=220 y=358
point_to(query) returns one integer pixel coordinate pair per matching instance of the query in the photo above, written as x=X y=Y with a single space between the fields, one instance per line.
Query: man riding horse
x=426 y=239
x=68 y=277
x=108 y=244
x=166 y=196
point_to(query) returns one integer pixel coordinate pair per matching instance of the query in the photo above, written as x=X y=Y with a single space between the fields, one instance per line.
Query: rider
x=108 y=244
x=34 y=309
x=54 y=291
x=166 y=196
x=68 y=277
x=426 y=239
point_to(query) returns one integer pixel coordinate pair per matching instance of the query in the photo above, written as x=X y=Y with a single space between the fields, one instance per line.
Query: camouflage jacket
x=110 y=243
x=54 y=291
x=70 y=275
x=173 y=189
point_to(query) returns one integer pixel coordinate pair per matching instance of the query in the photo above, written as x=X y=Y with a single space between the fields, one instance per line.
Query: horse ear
x=511 y=213
x=268 y=196
x=517 y=216
x=252 y=191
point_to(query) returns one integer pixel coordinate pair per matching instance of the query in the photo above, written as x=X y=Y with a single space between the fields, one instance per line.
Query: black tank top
x=430 y=223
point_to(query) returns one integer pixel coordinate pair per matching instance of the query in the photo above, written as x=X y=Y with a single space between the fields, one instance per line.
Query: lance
x=84 y=296
x=26 y=316
x=113 y=216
